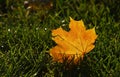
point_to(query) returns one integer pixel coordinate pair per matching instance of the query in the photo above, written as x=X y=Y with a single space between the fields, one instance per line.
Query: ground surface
x=25 y=40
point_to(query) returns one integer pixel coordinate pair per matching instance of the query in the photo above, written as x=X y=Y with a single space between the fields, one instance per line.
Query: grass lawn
x=25 y=40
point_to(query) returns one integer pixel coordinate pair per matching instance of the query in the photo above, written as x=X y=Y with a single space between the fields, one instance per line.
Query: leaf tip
x=71 y=19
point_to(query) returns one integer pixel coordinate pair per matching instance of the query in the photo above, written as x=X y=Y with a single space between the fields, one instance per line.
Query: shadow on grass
x=81 y=70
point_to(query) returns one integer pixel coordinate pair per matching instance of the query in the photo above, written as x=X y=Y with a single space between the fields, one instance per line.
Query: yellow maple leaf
x=73 y=43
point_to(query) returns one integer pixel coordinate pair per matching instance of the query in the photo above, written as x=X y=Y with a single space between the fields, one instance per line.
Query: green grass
x=25 y=41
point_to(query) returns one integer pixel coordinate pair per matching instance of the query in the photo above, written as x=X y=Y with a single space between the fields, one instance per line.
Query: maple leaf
x=73 y=43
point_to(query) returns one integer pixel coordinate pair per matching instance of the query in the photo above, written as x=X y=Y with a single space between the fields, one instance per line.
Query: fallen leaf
x=72 y=44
